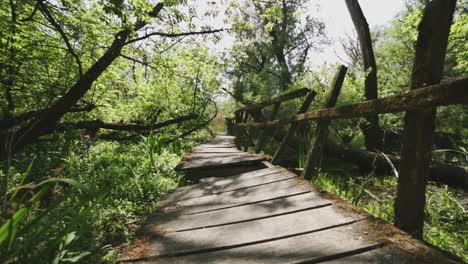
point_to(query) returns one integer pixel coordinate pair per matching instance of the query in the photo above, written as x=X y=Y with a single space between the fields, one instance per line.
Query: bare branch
x=51 y=19
x=174 y=35
x=135 y=127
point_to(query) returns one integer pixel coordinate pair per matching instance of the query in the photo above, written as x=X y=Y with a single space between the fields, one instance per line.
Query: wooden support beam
x=244 y=134
x=293 y=128
x=263 y=137
x=321 y=134
x=416 y=150
x=449 y=93
x=285 y=97
x=237 y=129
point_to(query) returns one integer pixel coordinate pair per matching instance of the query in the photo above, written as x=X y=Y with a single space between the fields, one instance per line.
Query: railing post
x=245 y=134
x=419 y=125
x=237 y=129
x=262 y=139
x=321 y=133
x=293 y=128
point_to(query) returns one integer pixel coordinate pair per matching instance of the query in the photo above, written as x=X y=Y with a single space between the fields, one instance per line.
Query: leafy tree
x=58 y=58
x=272 y=46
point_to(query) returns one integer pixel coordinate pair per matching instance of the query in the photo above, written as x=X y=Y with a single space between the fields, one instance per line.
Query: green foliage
x=446 y=223
x=97 y=203
x=272 y=45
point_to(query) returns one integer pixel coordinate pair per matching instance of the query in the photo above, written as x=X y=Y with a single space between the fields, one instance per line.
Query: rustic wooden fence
x=251 y=116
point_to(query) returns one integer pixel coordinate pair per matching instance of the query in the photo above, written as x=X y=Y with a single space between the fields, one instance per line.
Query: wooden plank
x=449 y=93
x=214 y=150
x=208 y=203
x=251 y=174
x=171 y=223
x=294 y=249
x=216 y=163
x=194 y=156
x=318 y=142
x=195 y=174
x=218 y=155
x=278 y=99
x=235 y=184
x=224 y=145
x=246 y=232
x=292 y=129
x=381 y=255
x=231 y=179
x=260 y=192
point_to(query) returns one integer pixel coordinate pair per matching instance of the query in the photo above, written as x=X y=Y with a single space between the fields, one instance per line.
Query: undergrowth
x=91 y=206
x=446 y=223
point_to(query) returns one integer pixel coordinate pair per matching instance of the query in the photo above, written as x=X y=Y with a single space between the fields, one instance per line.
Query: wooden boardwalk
x=253 y=212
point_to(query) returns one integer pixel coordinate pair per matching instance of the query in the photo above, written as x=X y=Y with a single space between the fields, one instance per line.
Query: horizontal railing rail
x=449 y=93
x=285 y=97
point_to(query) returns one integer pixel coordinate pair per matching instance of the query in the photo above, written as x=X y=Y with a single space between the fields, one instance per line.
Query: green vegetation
x=96 y=204
x=446 y=224
x=100 y=99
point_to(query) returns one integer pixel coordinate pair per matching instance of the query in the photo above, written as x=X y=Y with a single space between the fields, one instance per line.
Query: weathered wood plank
x=223 y=162
x=265 y=191
x=251 y=174
x=212 y=203
x=294 y=249
x=214 y=150
x=246 y=232
x=381 y=255
x=224 y=145
x=449 y=93
x=231 y=179
x=241 y=213
x=194 y=156
x=233 y=185
x=196 y=174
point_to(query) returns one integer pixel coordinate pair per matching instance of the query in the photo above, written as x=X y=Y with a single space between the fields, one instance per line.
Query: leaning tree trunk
x=49 y=118
x=373 y=134
x=416 y=150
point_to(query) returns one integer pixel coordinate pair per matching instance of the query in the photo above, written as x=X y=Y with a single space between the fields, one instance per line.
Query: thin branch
x=33 y=13
x=51 y=19
x=135 y=127
x=137 y=61
x=174 y=35
x=200 y=126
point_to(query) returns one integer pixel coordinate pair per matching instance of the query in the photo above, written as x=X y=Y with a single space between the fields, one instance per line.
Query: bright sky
x=333 y=13
x=338 y=22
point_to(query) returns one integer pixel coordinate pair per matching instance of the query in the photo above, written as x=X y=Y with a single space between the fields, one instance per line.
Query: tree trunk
x=373 y=134
x=416 y=151
x=49 y=118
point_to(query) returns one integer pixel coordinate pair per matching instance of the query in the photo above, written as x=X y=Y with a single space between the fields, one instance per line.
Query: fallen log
x=454 y=176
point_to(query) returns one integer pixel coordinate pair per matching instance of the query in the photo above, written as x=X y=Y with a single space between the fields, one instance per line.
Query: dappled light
x=236 y=131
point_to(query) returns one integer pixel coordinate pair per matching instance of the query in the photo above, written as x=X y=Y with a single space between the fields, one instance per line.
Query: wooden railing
x=254 y=112
x=448 y=93
x=251 y=117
